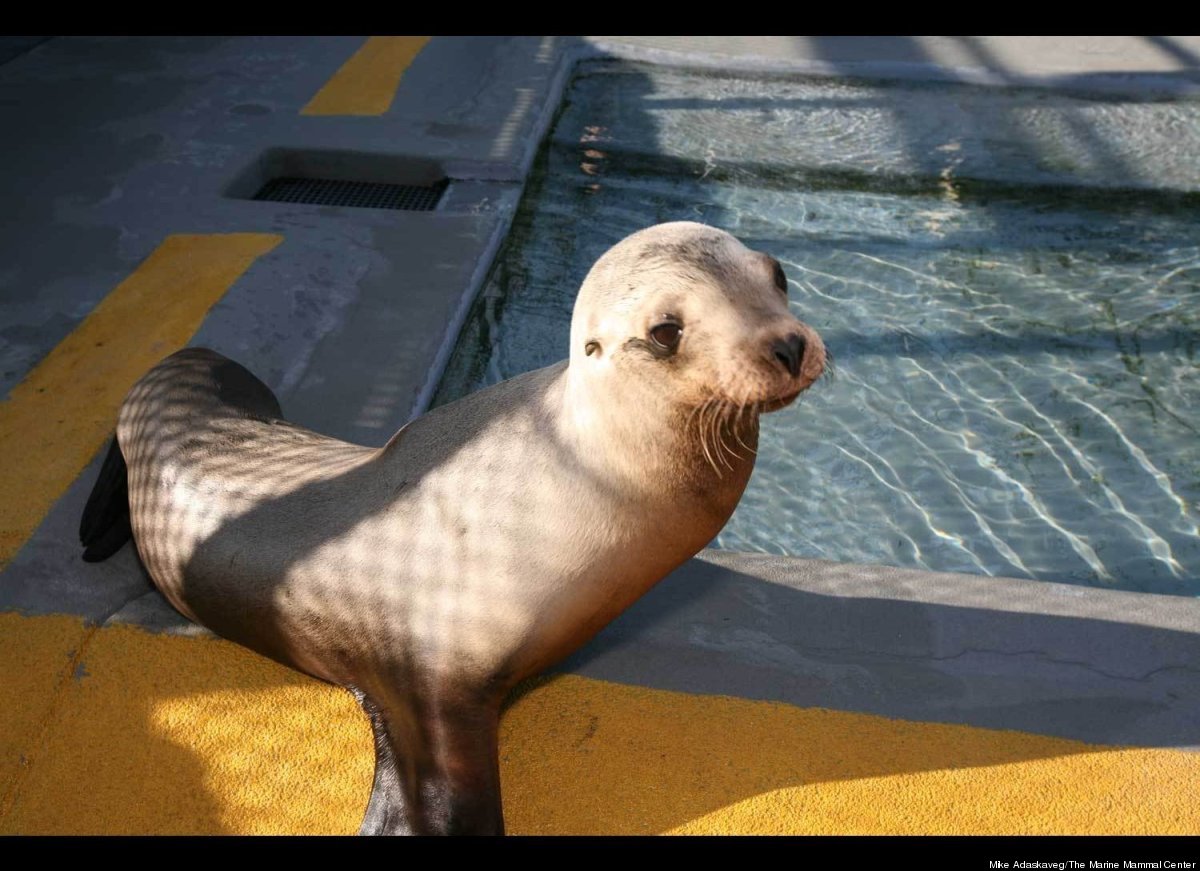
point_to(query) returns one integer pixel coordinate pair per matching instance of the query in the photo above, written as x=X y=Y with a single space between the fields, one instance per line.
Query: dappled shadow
x=1172 y=48
x=846 y=53
x=977 y=126
x=164 y=735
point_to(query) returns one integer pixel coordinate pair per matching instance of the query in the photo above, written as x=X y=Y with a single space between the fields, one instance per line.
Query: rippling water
x=1009 y=280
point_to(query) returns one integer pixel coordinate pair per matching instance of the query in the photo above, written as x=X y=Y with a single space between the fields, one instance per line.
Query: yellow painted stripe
x=54 y=421
x=366 y=84
x=164 y=734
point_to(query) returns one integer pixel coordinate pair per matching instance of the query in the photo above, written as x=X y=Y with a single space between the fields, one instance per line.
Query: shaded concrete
x=15 y=46
x=161 y=130
x=1094 y=665
x=352 y=324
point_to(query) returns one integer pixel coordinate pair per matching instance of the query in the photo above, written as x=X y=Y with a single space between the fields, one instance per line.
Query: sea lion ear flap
x=592 y=345
x=781 y=282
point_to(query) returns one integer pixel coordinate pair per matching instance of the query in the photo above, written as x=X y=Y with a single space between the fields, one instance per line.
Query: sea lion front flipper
x=385 y=811
x=437 y=768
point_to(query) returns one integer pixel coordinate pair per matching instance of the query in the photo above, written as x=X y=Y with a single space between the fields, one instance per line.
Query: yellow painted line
x=182 y=735
x=54 y=421
x=366 y=84
x=655 y=761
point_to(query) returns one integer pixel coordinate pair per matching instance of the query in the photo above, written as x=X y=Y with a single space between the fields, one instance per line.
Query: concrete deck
x=744 y=694
x=1098 y=64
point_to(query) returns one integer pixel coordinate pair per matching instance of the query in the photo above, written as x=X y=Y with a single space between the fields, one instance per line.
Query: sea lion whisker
x=700 y=409
x=737 y=428
x=830 y=370
x=706 y=429
x=715 y=428
x=714 y=413
x=694 y=416
x=722 y=425
x=730 y=411
x=719 y=440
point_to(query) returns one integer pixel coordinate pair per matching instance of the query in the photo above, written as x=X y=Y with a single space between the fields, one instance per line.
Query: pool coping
x=1084 y=80
x=1097 y=665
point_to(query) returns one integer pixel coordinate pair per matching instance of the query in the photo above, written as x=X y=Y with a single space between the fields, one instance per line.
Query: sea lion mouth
x=782 y=401
x=760 y=406
x=786 y=399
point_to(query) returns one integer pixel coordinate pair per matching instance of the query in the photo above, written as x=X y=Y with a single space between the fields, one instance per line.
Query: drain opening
x=356 y=194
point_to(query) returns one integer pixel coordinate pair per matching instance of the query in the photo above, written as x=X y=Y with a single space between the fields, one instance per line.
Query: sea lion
x=488 y=538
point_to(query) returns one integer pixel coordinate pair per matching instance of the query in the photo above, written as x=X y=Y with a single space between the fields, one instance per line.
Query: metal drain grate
x=357 y=194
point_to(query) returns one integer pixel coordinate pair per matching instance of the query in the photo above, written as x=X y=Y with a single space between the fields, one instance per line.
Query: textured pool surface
x=1009 y=281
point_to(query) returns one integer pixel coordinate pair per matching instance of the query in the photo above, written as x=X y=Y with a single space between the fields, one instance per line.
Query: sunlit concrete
x=1128 y=64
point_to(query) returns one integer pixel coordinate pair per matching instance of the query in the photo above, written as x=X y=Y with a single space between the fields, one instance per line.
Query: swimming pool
x=1009 y=279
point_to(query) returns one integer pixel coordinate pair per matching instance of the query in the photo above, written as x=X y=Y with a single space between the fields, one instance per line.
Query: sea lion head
x=684 y=315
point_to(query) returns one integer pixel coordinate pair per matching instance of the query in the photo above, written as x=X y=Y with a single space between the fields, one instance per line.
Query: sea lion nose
x=789 y=351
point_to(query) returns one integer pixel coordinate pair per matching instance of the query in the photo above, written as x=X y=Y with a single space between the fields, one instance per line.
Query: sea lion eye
x=666 y=335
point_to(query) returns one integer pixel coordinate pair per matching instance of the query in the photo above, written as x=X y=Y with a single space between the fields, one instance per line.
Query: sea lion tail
x=105 y=527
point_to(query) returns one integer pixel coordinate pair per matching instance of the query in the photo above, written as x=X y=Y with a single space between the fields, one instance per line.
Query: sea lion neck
x=625 y=433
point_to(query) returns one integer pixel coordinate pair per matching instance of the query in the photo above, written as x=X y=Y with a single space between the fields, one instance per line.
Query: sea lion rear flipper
x=104 y=527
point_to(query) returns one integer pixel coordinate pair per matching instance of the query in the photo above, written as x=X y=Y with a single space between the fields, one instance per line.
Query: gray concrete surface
x=115 y=143
x=15 y=46
x=1116 y=64
x=1093 y=665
